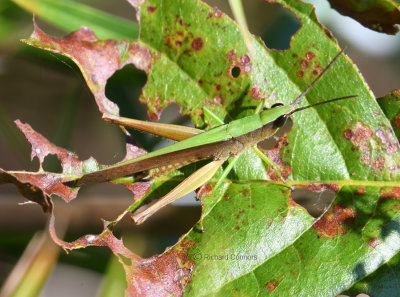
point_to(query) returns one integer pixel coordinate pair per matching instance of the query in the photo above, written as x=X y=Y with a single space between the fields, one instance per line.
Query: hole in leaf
x=52 y=164
x=235 y=71
x=316 y=203
x=282 y=25
x=124 y=88
x=269 y=143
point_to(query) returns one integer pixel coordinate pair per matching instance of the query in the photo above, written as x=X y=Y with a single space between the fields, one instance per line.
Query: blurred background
x=48 y=92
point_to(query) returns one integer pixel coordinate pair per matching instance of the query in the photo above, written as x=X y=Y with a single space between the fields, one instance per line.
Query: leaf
x=70 y=16
x=256 y=239
x=383 y=282
x=378 y=15
x=39 y=186
x=390 y=105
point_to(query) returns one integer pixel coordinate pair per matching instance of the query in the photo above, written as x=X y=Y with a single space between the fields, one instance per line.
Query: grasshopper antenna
x=300 y=97
x=320 y=103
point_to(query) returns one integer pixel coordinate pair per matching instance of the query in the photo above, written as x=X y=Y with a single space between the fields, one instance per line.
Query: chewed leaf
x=27 y=189
x=39 y=186
x=143 y=275
x=379 y=15
x=41 y=147
x=97 y=59
x=256 y=239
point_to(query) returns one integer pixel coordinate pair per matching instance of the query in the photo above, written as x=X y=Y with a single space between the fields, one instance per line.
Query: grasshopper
x=218 y=144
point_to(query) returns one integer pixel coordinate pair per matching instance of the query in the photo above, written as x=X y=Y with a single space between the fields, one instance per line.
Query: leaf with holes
x=257 y=240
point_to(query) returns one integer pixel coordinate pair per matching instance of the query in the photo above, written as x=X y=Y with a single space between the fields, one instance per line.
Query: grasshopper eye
x=276 y=105
x=279 y=122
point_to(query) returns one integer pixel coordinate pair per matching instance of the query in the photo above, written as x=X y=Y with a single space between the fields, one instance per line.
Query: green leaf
x=383 y=282
x=196 y=56
x=70 y=16
x=390 y=105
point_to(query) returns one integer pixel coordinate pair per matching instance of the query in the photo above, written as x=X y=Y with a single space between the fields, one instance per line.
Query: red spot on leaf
x=304 y=64
x=218 y=87
x=374 y=242
x=348 y=134
x=300 y=74
x=256 y=92
x=218 y=100
x=316 y=187
x=379 y=164
x=317 y=69
x=331 y=223
x=245 y=63
x=394 y=193
x=217 y=12
x=387 y=138
x=272 y=284
x=360 y=191
x=197 y=44
x=151 y=9
x=310 y=56
x=360 y=136
x=231 y=55
x=396 y=121
x=239 y=214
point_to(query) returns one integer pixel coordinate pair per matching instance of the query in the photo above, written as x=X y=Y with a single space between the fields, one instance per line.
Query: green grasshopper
x=218 y=144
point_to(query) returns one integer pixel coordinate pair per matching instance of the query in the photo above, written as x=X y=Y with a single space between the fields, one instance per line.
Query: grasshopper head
x=277 y=115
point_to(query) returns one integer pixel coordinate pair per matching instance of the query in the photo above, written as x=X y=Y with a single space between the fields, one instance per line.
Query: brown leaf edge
x=161 y=275
x=97 y=59
x=376 y=17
